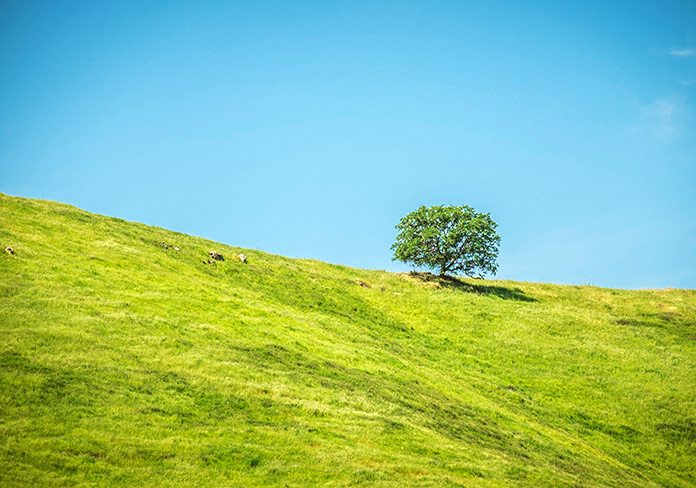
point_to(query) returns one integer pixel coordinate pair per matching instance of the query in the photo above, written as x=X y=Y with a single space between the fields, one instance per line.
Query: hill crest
x=126 y=362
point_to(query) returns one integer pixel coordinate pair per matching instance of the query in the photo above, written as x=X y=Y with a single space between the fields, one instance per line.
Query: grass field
x=123 y=362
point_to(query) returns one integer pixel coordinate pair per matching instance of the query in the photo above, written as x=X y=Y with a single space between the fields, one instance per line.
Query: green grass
x=125 y=363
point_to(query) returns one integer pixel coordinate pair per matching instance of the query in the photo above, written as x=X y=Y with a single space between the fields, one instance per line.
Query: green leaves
x=449 y=239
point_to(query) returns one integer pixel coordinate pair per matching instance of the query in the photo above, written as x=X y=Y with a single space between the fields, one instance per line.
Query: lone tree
x=449 y=239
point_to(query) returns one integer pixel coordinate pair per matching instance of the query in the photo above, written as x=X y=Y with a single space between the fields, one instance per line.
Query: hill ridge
x=125 y=362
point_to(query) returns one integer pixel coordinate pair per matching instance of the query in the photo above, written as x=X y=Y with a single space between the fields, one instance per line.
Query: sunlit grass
x=125 y=362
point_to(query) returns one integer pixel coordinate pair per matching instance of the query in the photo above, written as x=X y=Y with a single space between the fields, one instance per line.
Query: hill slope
x=125 y=362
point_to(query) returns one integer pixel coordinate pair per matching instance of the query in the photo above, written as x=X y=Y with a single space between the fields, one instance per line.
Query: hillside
x=123 y=361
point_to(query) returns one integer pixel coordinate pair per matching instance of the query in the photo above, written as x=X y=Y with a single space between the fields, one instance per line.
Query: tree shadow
x=480 y=289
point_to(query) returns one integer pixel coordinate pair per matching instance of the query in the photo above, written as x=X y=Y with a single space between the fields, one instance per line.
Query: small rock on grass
x=169 y=246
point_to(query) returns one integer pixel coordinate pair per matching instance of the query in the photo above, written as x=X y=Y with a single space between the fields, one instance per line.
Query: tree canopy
x=449 y=239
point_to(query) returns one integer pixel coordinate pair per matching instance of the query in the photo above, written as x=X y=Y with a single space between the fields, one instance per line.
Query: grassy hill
x=123 y=361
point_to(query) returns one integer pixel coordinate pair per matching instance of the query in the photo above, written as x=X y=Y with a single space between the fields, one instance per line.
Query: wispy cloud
x=683 y=53
x=663 y=119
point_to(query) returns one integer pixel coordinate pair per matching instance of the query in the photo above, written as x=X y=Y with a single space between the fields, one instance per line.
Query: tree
x=449 y=239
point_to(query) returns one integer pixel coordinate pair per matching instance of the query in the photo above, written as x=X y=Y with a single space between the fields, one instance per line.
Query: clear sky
x=309 y=128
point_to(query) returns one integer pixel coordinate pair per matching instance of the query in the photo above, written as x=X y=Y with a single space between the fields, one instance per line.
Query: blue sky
x=309 y=128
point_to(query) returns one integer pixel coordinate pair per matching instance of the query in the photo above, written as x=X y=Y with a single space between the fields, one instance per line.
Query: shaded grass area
x=506 y=293
x=126 y=362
